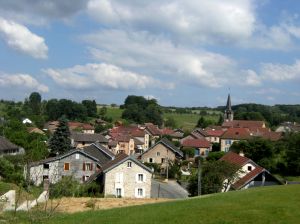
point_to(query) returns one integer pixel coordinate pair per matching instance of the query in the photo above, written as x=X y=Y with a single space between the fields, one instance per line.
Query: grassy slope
x=279 y=204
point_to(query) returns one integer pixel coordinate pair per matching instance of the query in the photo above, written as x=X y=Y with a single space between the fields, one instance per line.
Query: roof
x=215 y=133
x=273 y=136
x=35 y=130
x=235 y=158
x=237 y=133
x=153 y=129
x=169 y=145
x=82 y=137
x=5 y=144
x=120 y=158
x=84 y=126
x=100 y=152
x=198 y=143
x=243 y=124
x=199 y=133
x=247 y=178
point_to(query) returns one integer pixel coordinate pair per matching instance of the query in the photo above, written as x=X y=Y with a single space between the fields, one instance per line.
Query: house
x=249 y=174
x=9 y=148
x=81 y=127
x=232 y=135
x=78 y=163
x=288 y=127
x=80 y=140
x=26 y=121
x=153 y=131
x=125 y=177
x=51 y=126
x=161 y=153
x=35 y=130
x=202 y=146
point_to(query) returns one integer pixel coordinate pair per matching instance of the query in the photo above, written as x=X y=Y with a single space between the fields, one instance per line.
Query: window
x=87 y=166
x=249 y=168
x=140 y=177
x=119 y=192
x=158 y=154
x=140 y=192
x=67 y=166
x=76 y=156
x=45 y=177
x=162 y=160
x=150 y=160
x=85 y=178
x=129 y=164
x=46 y=166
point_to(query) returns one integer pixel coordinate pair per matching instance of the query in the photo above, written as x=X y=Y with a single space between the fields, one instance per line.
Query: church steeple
x=228 y=115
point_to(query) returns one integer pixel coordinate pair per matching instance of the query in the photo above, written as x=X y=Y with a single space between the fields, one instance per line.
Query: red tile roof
x=247 y=178
x=215 y=133
x=237 y=133
x=84 y=126
x=243 y=124
x=235 y=158
x=153 y=129
x=198 y=143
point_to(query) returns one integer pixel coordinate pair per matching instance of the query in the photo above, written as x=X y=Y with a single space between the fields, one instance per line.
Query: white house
x=126 y=177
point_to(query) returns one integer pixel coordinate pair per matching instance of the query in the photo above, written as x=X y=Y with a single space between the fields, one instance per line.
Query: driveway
x=171 y=189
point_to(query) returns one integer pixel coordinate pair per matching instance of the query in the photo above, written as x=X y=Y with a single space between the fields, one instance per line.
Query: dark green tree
x=91 y=107
x=34 y=103
x=60 y=141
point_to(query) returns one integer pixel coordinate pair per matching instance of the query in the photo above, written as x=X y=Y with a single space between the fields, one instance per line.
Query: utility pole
x=199 y=176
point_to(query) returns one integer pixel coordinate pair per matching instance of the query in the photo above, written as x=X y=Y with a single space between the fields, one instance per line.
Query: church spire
x=228 y=115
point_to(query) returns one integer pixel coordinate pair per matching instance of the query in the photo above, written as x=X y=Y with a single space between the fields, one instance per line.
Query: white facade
x=128 y=180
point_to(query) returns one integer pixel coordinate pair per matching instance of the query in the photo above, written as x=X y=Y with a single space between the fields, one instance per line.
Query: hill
x=278 y=204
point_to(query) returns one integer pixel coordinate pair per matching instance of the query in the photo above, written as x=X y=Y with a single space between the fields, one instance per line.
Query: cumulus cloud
x=93 y=76
x=281 y=72
x=22 y=39
x=21 y=81
x=200 y=21
x=40 y=11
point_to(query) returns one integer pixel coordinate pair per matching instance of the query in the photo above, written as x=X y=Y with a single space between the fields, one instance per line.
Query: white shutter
x=144 y=177
x=136 y=177
x=117 y=178
x=136 y=192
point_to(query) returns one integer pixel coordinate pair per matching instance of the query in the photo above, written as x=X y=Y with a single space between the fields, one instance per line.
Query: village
x=137 y=161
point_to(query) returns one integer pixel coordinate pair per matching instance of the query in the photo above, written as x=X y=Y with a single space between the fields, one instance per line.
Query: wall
x=129 y=183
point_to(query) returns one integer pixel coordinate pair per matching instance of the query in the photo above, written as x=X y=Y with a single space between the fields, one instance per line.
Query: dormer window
x=249 y=168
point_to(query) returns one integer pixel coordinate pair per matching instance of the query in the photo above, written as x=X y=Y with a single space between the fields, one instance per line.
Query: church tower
x=228 y=115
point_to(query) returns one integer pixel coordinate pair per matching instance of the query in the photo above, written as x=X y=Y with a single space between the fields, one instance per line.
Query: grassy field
x=278 y=204
x=185 y=121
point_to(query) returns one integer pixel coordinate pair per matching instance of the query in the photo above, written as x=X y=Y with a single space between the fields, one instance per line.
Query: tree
x=91 y=107
x=170 y=122
x=292 y=144
x=60 y=141
x=34 y=103
x=215 y=176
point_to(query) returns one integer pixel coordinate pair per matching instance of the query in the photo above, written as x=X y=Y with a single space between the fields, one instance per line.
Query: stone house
x=249 y=174
x=80 y=140
x=124 y=176
x=232 y=135
x=201 y=146
x=161 y=153
x=78 y=163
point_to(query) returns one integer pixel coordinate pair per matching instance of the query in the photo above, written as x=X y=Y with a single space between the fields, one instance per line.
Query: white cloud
x=281 y=72
x=21 y=39
x=93 y=76
x=252 y=79
x=200 y=21
x=21 y=81
x=158 y=56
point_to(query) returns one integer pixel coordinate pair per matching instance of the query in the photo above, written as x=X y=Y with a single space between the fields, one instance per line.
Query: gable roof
x=167 y=144
x=237 y=133
x=5 y=144
x=98 y=151
x=153 y=129
x=214 y=133
x=198 y=143
x=243 y=124
x=247 y=178
x=81 y=137
x=235 y=158
x=84 y=126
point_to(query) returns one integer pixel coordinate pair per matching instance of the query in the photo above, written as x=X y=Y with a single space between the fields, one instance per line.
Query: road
x=171 y=189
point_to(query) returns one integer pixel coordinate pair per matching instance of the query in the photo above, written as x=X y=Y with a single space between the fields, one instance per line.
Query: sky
x=181 y=52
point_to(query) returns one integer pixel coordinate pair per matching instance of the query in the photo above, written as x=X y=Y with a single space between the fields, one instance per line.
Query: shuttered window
x=67 y=166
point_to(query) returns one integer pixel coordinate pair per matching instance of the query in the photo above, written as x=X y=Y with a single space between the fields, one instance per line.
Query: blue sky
x=181 y=52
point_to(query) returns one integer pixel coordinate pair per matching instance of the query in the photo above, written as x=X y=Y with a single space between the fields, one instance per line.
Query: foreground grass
x=278 y=204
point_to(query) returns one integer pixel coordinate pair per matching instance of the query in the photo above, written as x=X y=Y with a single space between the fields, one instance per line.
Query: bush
x=154 y=166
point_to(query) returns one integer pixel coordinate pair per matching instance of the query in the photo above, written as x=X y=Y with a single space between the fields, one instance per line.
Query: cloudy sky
x=182 y=52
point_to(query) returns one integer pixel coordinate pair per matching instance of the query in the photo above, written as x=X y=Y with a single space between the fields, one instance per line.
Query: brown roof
x=243 y=124
x=237 y=133
x=273 y=136
x=153 y=129
x=198 y=143
x=248 y=177
x=117 y=159
x=235 y=158
x=5 y=144
x=84 y=126
x=215 y=133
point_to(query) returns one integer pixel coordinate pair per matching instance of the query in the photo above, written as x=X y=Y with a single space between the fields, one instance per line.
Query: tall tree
x=34 y=103
x=91 y=107
x=60 y=141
